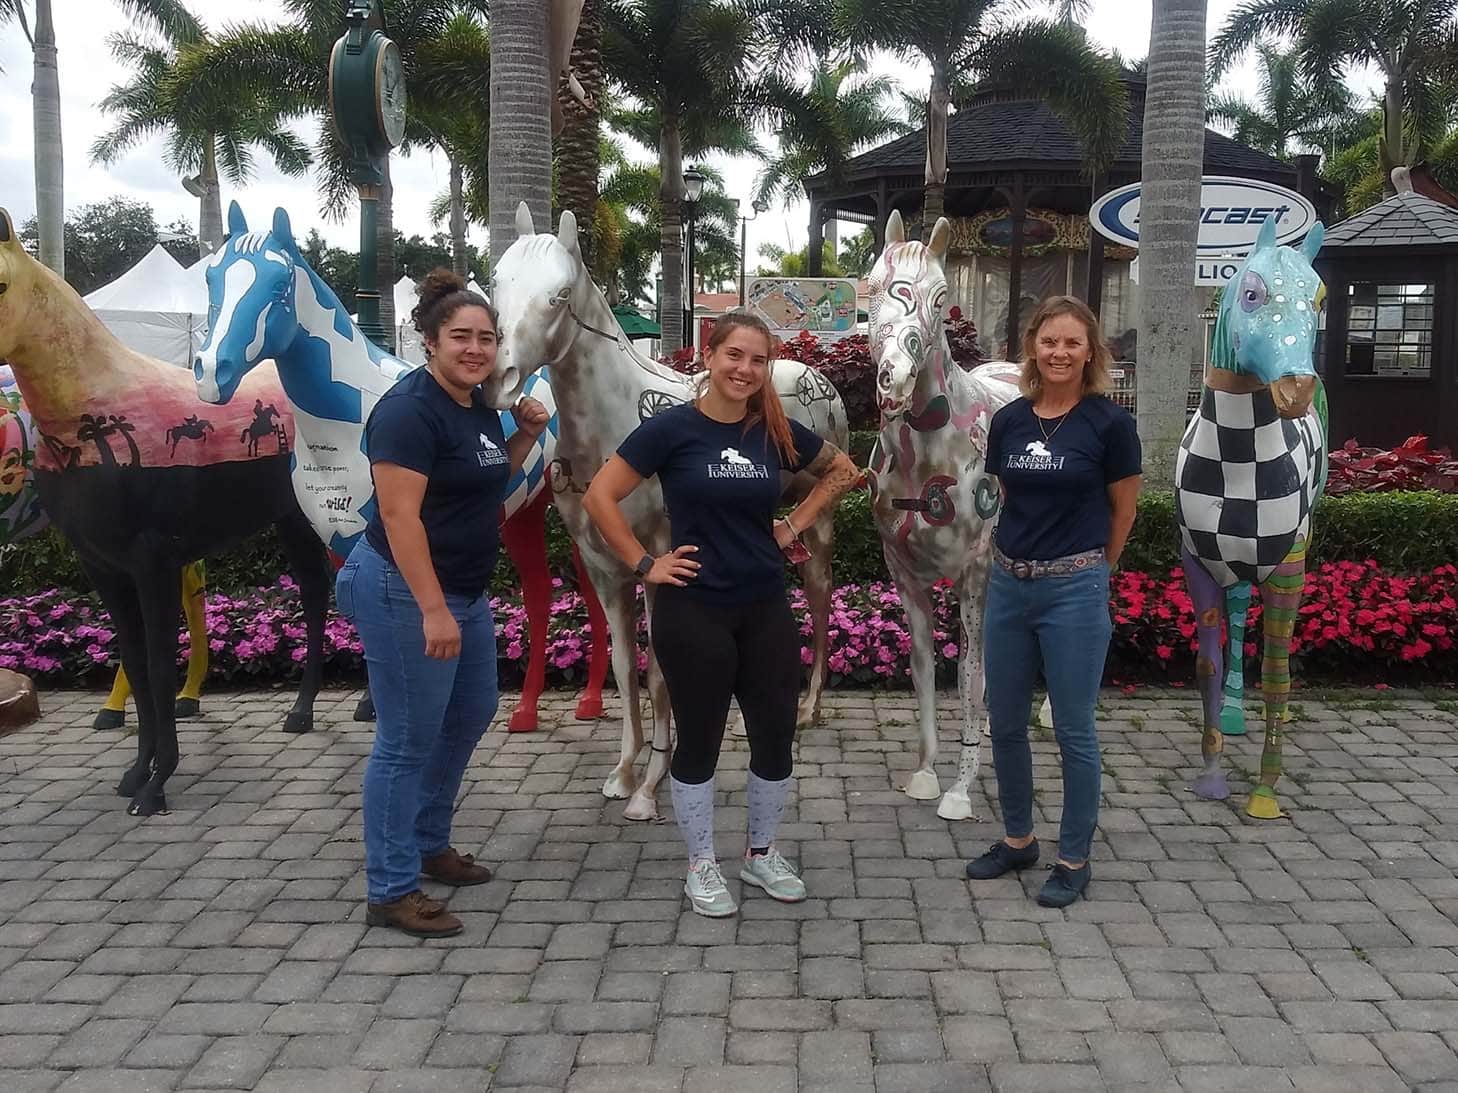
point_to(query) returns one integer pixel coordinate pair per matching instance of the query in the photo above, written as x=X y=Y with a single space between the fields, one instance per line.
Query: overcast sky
x=87 y=72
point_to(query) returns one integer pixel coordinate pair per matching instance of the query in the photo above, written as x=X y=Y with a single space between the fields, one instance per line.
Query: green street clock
x=366 y=90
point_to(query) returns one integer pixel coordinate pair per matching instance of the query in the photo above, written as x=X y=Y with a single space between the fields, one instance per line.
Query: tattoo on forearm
x=836 y=475
x=822 y=462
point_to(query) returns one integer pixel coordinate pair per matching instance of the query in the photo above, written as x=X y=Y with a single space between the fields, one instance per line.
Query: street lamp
x=744 y=248
x=693 y=189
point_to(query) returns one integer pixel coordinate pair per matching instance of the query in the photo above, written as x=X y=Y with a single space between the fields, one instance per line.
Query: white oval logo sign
x=1232 y=212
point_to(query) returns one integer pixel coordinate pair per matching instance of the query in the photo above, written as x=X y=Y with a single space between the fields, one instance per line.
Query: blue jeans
x=1061 y=625
x=429 y=716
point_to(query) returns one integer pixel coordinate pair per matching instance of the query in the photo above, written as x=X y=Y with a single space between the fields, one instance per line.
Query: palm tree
x=521 y=129
x=1411 y=42
x=683 y=61
x=205 y=137
x=965 y=40
x=50 y=204
x=1289 y=106
x=578 y=142
x=1169 y=198
x=821 y=126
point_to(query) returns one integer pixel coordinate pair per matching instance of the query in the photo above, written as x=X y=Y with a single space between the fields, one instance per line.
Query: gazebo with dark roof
x=1390 y=348
x=1006 y=151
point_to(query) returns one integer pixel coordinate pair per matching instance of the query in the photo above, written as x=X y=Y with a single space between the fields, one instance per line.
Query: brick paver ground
x=223 y=946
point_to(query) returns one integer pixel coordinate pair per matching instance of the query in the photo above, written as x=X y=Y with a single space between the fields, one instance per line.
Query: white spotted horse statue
x=933 y=499
x=136 y=506
x=266 y=303
x=551 y=311
x=1249 y=470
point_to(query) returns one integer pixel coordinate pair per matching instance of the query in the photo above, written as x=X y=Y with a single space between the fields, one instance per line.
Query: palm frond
x=1250 y=23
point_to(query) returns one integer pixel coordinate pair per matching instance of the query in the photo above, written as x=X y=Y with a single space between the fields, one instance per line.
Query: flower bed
x=1357 y=623
x=1410 y=466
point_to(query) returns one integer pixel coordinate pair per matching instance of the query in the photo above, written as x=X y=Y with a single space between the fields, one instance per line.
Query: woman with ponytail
x=721 y=621
x=415 y=588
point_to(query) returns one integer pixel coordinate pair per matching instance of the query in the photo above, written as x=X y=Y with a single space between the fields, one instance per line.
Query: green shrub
x=1402 y=532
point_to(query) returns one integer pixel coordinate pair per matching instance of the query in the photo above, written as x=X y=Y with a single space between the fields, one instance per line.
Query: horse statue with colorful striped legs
x=136 y=506
x=551 y=311
x=933 y=499
x=1249 y=470
x=267 y=303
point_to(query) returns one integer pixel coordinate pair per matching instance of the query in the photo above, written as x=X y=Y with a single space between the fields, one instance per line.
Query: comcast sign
x=1232 y=213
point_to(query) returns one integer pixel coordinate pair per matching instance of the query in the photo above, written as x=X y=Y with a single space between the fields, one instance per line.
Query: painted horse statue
x=134 y=512
x=551 y=311
x=1249 y=470
x=933 y=500
x=266 y=304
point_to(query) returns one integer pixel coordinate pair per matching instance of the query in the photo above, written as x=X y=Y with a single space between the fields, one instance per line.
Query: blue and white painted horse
x=1249 y=470
x=266 y=303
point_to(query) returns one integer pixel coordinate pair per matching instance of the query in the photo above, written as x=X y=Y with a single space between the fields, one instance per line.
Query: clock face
x=390 y=93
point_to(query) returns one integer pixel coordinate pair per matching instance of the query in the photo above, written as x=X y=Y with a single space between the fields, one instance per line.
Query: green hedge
x=1402 y=532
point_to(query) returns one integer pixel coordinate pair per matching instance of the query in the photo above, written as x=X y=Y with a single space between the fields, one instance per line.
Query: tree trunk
x=385 y=257
x=1169 y=202
x=577 y=143
x=210 y=204
x=50 y=198
x=938 y=103
x=1392 y=152
x=521 y=119
x=670 y=239
x=458 y=218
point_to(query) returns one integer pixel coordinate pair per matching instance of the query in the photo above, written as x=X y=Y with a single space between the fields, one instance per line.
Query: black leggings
x=710 y=652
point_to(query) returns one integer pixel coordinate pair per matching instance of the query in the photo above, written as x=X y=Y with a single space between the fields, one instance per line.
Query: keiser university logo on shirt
x=736 y=466
x=490 y=455
x=1035 y=457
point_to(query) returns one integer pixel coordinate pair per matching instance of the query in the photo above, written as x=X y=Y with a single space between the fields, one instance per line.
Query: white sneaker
x=706 y=892
x=771 y=872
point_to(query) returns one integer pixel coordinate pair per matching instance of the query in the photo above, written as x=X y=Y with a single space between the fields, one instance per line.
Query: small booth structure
x=1389 y=354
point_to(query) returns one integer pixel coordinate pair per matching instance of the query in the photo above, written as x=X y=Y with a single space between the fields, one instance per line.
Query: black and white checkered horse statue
x=1250 y=468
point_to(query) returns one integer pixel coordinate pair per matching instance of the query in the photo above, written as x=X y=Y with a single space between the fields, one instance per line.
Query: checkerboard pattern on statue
x=1246 y=481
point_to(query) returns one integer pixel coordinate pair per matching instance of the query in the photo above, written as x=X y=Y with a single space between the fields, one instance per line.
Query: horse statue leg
x=971 y=683
x=923 y=784
x=1281 y=597
x=589 y=704
x=644 y=803
x=620 y=602
x=525 y=538
x=1232 y=710
x=194 y=610
x=113 y=712
x=819 y=588
x=158 y=596
x=1207 y=597
x=310 y=566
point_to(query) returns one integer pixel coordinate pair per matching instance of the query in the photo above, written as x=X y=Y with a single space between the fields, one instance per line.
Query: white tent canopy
x=156 y=307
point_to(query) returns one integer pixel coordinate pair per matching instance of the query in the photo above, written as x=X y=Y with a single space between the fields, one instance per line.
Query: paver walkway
x=223 y=946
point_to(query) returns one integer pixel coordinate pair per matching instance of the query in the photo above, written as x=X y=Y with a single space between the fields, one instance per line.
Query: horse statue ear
x=1267 y=237
x=236 y=224
x=941 y=238
x=283 y=231
x=1312 y=246
x=524 y=225
x=7 y=227
x=895 y=229
x=567 y=231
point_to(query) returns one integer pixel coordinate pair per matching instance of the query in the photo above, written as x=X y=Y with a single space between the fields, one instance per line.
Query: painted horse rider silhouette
x=261 y=427
x=192 y=428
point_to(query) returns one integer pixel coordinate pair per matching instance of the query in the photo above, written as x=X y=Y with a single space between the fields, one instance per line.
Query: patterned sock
x=766 y=806
x=693 y=808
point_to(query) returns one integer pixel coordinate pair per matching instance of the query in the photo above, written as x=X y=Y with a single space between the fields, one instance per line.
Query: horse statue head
x=908 y=291
x=532 y=288
x=1266 y=328
x=17 y=275
x=251 y=309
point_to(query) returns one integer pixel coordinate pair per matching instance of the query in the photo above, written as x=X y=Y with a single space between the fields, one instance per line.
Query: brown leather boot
x=454 y=868
x=415 y=914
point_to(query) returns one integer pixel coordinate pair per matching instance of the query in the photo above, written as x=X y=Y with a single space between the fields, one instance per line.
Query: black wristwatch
x=645 y=564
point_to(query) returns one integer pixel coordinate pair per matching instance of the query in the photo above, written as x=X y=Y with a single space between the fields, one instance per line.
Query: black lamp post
x=744 y=249
x=693 y=189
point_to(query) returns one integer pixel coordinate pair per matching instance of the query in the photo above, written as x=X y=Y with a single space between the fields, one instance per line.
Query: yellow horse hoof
x=1263 y=805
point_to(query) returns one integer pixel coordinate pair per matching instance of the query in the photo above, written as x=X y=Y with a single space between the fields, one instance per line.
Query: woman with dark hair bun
x=415 y=588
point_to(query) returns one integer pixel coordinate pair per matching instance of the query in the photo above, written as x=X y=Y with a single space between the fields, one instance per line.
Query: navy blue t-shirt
x=462 y=453
x=1056 y=500
x=722 y=486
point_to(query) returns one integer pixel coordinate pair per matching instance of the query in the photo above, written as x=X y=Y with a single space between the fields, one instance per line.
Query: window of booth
x=1389 y=330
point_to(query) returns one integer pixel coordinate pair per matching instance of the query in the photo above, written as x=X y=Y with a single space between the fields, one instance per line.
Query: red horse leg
x=525 y=539
x=589 y=706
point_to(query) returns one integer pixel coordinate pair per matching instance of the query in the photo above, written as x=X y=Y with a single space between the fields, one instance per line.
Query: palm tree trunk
x=670 y=238
x=938 y=103
x=577 y=143
x=458 y=218
x=1169 y=200
x=50 y=199
x=521 y=119
x=385 y=256
x=1393 y=153
x=210 y=204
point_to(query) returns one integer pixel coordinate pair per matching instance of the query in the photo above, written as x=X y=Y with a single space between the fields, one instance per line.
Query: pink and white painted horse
x=932 y=497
